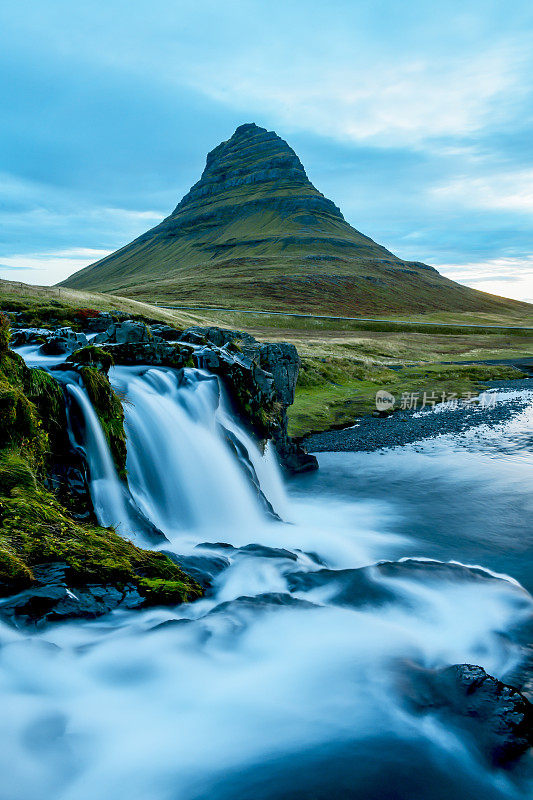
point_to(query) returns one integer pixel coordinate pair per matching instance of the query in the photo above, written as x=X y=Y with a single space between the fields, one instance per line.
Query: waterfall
x=107 y=492
x=183 y=474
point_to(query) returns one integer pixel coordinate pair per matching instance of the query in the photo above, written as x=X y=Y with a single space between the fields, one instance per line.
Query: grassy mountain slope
x=255 y=233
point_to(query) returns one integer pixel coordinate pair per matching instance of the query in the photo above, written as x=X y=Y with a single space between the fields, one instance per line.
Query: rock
x=346 y=587
x=63 y=340
x=127 y=332
x=269 y=601
x=52 y=600
x=24 y=336
x=216 y=336
x=497 y=717
x=155 y=352
x=165 y=332
x=99 y=323
x=204 y=569
x=263 y=551
x=282 y=361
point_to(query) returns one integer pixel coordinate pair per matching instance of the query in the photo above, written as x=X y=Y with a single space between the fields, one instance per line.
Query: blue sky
x=415 y=117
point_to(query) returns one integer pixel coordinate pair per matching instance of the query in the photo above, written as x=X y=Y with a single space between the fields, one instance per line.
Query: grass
x=43 y=304
x=332 y=393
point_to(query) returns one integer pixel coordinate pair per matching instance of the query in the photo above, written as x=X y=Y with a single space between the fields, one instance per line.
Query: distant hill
x=254 y=233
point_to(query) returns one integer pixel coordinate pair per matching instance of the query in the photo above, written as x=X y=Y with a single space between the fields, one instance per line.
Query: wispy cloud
x=510 y=277
x=508 y=191
x=49 y=268
x=398 y=101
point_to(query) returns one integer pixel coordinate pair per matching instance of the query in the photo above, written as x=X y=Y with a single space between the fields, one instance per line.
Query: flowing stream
x=288 y=680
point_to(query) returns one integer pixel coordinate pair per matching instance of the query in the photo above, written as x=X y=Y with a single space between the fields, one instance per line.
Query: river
x=291 y=678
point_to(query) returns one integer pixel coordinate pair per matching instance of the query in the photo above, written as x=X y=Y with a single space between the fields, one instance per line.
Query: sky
x=414 y=117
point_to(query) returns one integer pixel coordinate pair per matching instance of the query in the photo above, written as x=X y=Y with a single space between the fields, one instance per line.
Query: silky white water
x=271 y=687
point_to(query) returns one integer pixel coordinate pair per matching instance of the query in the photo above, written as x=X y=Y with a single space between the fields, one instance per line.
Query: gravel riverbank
x=405 y=427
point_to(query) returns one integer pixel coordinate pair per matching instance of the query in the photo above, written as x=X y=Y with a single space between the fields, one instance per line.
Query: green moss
x=93 y=356
x=14 y=472
x=110 y=413
x=4 y=332
x=35 y=529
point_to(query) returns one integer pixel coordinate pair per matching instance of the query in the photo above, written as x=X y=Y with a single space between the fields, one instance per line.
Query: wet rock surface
x=63 y=340
x=497 y=717
x=52 y=599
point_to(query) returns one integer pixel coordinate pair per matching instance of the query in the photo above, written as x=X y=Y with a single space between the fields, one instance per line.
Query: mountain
x=255 y=233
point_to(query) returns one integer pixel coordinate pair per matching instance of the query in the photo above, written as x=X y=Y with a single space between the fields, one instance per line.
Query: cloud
x=51 y=267
x=405 y=102
x=509 y=277
x=509 y=191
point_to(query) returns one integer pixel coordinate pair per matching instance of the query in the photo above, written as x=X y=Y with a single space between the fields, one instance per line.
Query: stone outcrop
x=128 y=332
x=63 y=340
x=497 y=717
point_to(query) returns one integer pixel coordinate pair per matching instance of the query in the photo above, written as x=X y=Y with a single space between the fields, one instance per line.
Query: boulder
x=282 y=361
x=24 y=336
x=63 y=340
x=165 y=332
x=99 y=323
x=497 y=717
x=51 y=599
x=217 y=336
x=127 y=332
x=155 y=352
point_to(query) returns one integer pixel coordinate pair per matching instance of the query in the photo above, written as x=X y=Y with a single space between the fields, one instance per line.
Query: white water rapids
x=275 y=686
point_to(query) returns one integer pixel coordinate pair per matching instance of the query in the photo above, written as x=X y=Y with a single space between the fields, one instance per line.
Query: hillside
x=254 y=233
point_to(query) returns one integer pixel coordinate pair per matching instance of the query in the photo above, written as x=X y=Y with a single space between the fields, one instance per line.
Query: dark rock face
x=63 y=340
x=283 y=363
x=155 y=352
x=497 y=717
x=127 y=332
x=51 y=599
x=24 y=336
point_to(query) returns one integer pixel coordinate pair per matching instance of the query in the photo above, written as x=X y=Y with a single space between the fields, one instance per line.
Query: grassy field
x=44 y=302
x=333 y=393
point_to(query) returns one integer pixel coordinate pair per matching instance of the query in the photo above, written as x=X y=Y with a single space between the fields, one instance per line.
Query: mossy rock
x=15 y=472
x=35 y=529
x=92 y=356
x=110 y=413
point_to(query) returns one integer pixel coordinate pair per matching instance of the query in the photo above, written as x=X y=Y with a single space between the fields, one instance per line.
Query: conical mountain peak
x=251 y=156
x=254 y=233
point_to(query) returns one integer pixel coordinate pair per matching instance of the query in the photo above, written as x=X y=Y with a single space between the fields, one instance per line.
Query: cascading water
x=181 y=472
x=288 y=680
x=107 y=492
